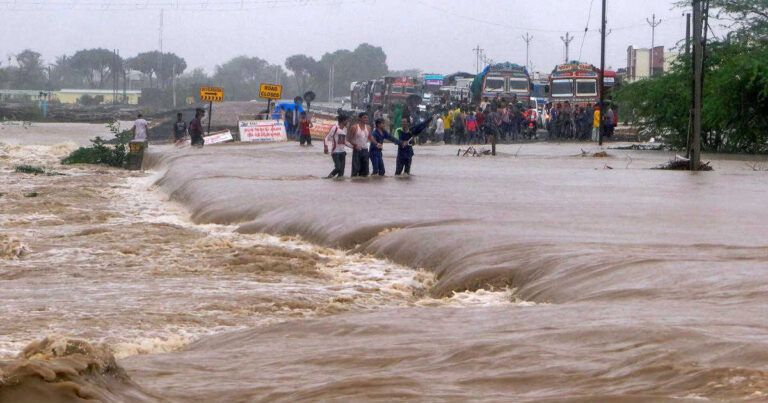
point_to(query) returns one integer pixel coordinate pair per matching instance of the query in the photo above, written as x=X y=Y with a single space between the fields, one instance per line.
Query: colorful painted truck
x=577 y=83
x=508 y=81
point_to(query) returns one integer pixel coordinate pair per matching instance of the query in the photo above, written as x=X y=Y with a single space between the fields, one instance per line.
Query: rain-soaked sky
x=433 y=35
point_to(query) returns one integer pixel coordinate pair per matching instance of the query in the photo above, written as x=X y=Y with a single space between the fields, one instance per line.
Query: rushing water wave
x=653 y=282
x=536 y=276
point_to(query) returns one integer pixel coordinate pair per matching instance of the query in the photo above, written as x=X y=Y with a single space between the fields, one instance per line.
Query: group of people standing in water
x=367 y=144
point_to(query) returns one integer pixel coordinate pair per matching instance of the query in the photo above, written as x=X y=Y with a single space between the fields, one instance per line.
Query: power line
x=586 y=29
x=180 y=5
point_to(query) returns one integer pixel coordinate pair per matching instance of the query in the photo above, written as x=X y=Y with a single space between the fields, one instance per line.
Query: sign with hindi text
x=262 y=131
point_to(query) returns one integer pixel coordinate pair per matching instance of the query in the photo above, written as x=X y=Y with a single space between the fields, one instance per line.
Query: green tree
x=30 y=73
x=241 y=77
x=96 y=65
x=366 y=62
x=63 y=75
x=307 y=71
x=405 y=73
x=158 y=66
x=748 y=17
x=735 y=99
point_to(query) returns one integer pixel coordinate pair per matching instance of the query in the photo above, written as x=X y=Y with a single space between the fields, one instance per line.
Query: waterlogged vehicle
x=509 y=81
x=575 y=82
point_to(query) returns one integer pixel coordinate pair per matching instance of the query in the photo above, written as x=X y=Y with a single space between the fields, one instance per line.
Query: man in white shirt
x=337 y=138
x=359 y=140
x=439 y=129
x=139 y=129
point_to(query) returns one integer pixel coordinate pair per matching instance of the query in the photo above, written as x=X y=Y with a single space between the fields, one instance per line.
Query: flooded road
x=235 y=273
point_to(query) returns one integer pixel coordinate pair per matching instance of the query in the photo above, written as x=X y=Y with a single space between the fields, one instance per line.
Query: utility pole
x=698 y=78
x=160 y=62
x=603 y=109
x=477 y=51
x=330 y=84
x=688 y=33
x=114 y=77
x=527 y=38
x=567 y=39
x=173 y=84
x=653 y=23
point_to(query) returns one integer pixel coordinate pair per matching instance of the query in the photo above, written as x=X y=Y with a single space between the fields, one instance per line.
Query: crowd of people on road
x=492 y=120
x=566 y=121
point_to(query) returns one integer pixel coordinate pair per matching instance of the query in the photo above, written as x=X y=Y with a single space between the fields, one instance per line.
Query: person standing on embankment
x=139 y=129
x=196 y=128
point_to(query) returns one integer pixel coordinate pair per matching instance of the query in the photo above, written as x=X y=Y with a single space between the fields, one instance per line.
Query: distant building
x=639 y=62
x=71 y=96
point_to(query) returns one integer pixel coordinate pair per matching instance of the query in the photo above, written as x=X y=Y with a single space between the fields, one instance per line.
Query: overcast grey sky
x=433 y=35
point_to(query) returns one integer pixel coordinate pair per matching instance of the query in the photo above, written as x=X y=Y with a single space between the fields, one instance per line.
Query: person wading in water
x=359 y=137
x=377 y=142
x=405 y=151
x=337 y=138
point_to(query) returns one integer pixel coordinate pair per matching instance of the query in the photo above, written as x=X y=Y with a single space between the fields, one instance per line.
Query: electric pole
x=330 y=84
x=688 y=33
x=160 y=61
x=173 y=84
x=653 y=23
x=527 y=38
x=603 y=109
x=477 y=51
x=698 y=78
x=567 y=39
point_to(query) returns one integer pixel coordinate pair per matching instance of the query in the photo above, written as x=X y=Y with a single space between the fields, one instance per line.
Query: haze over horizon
x=431 y=35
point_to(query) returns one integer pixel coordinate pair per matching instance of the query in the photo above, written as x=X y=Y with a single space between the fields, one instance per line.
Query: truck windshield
x=586 y=87
x=494 y=84
x=518 y=85
x=562 y=88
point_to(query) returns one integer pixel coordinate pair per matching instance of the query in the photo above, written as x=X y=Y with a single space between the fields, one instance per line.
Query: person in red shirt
x=306 y=124
x=480 y=119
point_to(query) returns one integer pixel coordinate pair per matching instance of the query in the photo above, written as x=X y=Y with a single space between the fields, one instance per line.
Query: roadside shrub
x=101 y=152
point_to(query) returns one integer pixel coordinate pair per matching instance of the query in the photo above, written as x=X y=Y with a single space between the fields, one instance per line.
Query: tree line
x=735 y=100
x=239 y=76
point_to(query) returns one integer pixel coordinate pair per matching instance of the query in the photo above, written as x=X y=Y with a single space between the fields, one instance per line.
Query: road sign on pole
x=271 y=91
x=211 y=94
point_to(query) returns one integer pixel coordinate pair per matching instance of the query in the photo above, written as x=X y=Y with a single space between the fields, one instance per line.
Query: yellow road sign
x=211 y=94
x=190 y=100
x=271 y=91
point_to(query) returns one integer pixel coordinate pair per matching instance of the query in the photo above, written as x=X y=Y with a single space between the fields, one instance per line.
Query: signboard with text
x=214 y=138
x=271 y=91
x=262 y=131
x=321 y=127
x=211 y=94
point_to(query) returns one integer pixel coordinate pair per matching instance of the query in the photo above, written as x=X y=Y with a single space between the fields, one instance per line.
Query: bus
x=508 y=81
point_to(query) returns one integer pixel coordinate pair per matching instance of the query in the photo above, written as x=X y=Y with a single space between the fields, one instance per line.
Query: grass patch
x=29 y=169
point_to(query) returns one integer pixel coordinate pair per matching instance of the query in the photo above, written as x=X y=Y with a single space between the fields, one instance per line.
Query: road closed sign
x=211 y=94
x=271 y=91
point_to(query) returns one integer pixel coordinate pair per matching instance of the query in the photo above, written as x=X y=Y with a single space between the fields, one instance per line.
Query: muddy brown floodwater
x=236 y=273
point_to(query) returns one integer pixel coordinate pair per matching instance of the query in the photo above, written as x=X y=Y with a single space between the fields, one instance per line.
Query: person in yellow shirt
x=596 y=124
x=447 y=119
